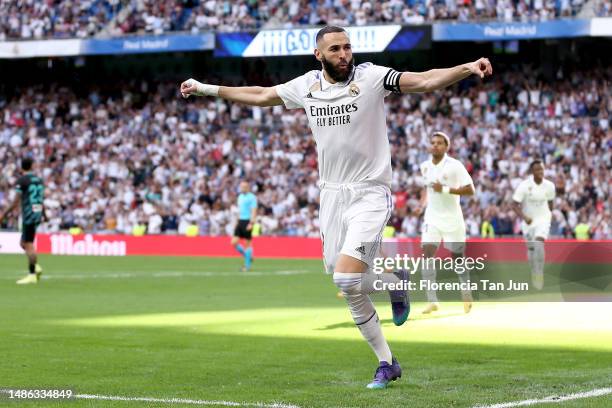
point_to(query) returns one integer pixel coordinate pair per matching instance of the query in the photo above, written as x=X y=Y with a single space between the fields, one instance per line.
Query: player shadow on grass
x=389 y=322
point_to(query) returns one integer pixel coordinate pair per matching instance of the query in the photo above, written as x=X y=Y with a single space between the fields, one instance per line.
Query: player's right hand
x=190 y=87
x=528 y=220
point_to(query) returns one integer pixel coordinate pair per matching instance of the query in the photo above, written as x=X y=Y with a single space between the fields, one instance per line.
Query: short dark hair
x=535 y=162
x=26 y=163
x=327 y=30
x=443 y=136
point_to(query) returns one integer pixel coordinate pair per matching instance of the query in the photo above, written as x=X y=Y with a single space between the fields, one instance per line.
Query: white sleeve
x=463 y=177
x=550 y=192
x=292 y=93
x=519 y=194
x=384 y=79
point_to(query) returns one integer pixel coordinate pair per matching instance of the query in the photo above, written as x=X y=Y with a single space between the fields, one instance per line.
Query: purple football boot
x=385 y=373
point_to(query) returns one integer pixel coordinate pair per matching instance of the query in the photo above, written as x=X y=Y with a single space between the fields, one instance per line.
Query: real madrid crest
x=353 y=89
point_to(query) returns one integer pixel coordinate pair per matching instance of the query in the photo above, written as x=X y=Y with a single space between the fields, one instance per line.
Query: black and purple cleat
x=385 y=373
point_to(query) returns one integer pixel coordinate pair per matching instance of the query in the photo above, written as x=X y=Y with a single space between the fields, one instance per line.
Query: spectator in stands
x=30 y=19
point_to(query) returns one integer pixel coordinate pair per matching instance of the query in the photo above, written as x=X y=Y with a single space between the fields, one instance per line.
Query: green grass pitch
x=197 y=328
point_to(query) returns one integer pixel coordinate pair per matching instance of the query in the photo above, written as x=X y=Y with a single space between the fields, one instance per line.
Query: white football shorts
x=537 y=229
x=454 y=240
x=352 y=218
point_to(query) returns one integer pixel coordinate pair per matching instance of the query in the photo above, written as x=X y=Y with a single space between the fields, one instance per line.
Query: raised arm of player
x=11 y=206
x=249 y=95
x=435 y=79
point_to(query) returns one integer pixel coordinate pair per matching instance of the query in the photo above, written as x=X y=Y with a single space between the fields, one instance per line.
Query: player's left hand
x=481 y=67
x=437 y=187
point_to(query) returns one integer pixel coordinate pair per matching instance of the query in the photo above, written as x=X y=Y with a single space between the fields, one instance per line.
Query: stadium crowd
x=137 y=155
x=35 y=19
x=31 y=19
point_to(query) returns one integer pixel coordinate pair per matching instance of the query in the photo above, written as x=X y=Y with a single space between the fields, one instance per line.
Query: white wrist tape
x=206 y=89
x=446 y=189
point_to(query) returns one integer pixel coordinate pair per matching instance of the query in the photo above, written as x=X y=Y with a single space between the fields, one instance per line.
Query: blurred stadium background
x=90 y=90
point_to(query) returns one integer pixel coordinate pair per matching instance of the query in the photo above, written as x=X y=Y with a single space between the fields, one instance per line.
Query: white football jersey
x=444 y=210
x=534 y=199
x=348 y=121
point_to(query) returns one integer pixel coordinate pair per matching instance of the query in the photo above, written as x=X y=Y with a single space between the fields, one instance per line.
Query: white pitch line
x=185 y=401
x=553 y=399
x=128 y=275
x=177 y=401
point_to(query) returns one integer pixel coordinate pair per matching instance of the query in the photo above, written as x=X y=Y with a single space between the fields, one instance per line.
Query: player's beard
x=335 y=73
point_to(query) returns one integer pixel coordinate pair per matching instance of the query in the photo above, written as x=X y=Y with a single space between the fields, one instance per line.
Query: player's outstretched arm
x=435 y=79
x=249 y=95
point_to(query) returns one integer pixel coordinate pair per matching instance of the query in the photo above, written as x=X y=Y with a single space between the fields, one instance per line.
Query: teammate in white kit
x=345 y=109
x=445 y=180
x=533 y=203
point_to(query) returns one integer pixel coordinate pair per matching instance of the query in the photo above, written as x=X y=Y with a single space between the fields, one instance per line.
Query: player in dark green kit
x=30 y=193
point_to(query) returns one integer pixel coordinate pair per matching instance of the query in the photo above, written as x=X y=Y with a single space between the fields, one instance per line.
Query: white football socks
x=538 y=264
x=531 y=255
x=539 y=256
x=429 y=274
x=463 y=278
x=355 y=287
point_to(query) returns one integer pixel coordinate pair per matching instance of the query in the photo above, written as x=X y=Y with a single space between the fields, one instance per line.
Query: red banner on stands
x=496 y=250
x=172 y=245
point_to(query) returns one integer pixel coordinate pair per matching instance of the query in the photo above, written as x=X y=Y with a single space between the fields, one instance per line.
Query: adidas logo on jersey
x=361 y=249
x=314 y=88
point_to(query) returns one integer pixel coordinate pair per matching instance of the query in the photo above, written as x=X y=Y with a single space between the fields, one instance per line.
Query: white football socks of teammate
x=429 y=274
x=536 y=256
x=356 y=287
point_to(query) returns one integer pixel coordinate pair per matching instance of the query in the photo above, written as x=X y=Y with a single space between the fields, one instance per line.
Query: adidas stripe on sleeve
x=392 y=80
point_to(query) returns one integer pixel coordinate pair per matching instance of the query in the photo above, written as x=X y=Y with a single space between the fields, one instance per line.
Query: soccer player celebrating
x=446 y=179
x=344 y=104
x=30 y=192
x=533 y=204
x=247 y=212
